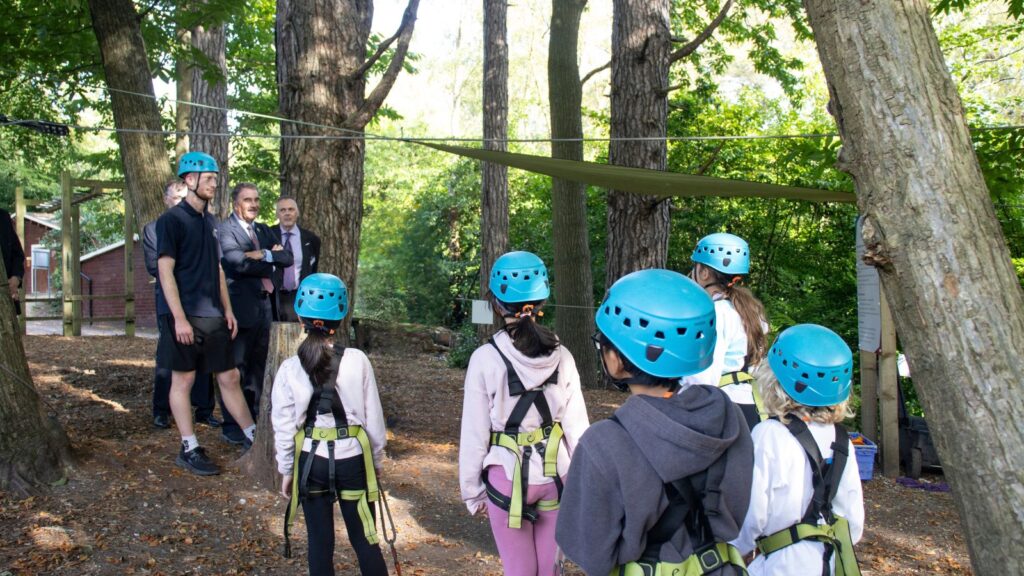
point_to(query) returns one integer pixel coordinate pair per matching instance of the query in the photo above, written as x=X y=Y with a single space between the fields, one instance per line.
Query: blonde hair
x=779 y=404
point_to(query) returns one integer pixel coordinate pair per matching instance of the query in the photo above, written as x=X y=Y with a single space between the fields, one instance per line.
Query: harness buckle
x=710 y=559
x=548 y=429
x=342 y=433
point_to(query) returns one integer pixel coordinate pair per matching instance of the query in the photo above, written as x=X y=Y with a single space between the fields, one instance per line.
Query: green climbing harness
x=545 y=440
x=327 y=400
x=754 y=413
x=691 y=501
x=834 y=533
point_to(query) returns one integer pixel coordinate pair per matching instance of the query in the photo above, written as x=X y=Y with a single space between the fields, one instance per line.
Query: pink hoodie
x=487 y=406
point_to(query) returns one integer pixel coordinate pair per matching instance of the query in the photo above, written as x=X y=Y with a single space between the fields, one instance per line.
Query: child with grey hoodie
x=664 y=484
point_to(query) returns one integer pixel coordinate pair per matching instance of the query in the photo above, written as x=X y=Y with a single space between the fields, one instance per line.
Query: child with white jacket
x=329 y=432
x=806 y=481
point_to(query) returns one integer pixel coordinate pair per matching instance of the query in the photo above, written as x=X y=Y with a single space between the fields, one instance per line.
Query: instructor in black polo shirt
x=249 y=253
x=201 y=325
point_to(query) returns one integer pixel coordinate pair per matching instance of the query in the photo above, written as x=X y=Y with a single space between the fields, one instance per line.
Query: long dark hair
x=529 y=337
x=315 y=355
x=750 y=309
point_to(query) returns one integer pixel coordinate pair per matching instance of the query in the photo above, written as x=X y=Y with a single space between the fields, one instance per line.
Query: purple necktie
x=289 y=272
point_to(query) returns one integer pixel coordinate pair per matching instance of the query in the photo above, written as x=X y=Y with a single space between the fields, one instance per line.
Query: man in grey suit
x=305 y=248
x=250 y=252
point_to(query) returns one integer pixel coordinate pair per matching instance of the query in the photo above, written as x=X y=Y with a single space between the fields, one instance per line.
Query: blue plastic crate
x=865 y=456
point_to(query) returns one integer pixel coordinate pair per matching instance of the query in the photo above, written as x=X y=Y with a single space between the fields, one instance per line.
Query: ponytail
x=751 y=312
x=529 y=337
x=315 y=355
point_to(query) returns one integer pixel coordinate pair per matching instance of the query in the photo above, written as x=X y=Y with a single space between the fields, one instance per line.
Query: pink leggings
x=530 y=550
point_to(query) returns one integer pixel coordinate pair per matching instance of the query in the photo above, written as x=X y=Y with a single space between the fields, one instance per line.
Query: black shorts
x=210 y=351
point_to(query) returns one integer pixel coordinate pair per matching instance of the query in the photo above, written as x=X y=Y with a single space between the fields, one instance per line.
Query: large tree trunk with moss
x=494 y=177
x=210 y=116
x=143 y=155
x=33 y=447
x=321 y=70
x=183 y=88
x=931 y=231
x=638 y=226
x=575 y=322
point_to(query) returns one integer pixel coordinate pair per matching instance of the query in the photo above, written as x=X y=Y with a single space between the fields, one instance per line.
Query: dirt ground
x=125 y=507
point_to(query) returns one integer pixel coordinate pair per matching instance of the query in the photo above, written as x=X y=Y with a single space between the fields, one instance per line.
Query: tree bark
x=143 y=155
x=638 y=226
x=183 y=87
x=259 y=462
x=209 y=88
x=33 y=447
x=572 y=274
x=931 y=230
x=494 y=177
x=320 y=46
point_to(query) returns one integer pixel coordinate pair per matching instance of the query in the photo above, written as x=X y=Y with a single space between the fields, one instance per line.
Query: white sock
x=190 y=442
x=250 y=432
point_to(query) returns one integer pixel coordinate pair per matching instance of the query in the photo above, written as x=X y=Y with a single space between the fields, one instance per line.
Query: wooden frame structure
x=71 y=254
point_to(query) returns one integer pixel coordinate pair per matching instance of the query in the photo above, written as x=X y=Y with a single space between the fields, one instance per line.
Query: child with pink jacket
x=522 y=415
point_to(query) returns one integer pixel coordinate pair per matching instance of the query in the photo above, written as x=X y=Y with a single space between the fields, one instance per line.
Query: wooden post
x=76 y=269
x=19 y=229
x=129 y=269
x=869 y=394
x=66 y=257
x=259 y=463
x=889 y=411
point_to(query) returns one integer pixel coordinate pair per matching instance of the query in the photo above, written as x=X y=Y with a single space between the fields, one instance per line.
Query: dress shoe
x=209 y=420
x=161 y=421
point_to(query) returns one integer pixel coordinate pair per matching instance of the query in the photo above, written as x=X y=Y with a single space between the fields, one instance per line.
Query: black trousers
x=286 y=306
x=202 y=389
x=349 y=474
x=250 y=348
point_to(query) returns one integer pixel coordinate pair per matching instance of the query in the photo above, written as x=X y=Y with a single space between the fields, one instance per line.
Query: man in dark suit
x=250 y=252
x=13 y=255
x=202 y=391
x=305 y=248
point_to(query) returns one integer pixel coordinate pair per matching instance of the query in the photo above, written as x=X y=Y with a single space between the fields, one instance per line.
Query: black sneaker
x=161 y=421
x=236 y=437
x=196 y=462
x=246 y=445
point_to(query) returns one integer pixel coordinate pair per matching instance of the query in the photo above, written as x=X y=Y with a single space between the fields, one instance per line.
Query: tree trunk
x=494 y=177
x=321 y=72
x=209 y=88
x=33 y=446
x=183 y=86
x=638 y=226
x=574 y=323
x=143 y=155
x=931 y=231
x=259 y=462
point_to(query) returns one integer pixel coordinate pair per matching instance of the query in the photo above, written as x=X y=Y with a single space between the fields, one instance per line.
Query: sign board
x=869 y=302
x=482 y=313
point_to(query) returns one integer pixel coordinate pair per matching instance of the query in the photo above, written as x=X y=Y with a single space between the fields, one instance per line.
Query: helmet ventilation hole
x=618 y=310
x=659 y=335
x=726 y=261
x=804 y=375
x=700 y=334
x=644 y=323
x=607 y=310
x=797 y=365
x=681 y=331
x=626 y=322
x=835 y=378
x=821 y=374
x=800 y=386
x=515 y=274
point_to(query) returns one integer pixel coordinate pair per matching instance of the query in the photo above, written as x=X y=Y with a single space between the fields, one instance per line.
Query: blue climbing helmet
x=519 y=277
x=322 y=297
x=660 y=320
x=812 y=364
x=724 y=252
x=196 y=162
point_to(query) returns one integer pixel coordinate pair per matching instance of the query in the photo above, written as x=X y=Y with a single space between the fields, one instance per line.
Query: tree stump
x=259 y=463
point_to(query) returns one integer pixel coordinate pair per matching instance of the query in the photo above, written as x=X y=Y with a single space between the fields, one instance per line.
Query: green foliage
x=465 y=344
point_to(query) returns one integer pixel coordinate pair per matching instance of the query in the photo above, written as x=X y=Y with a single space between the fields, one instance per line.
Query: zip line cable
x=358 y=135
